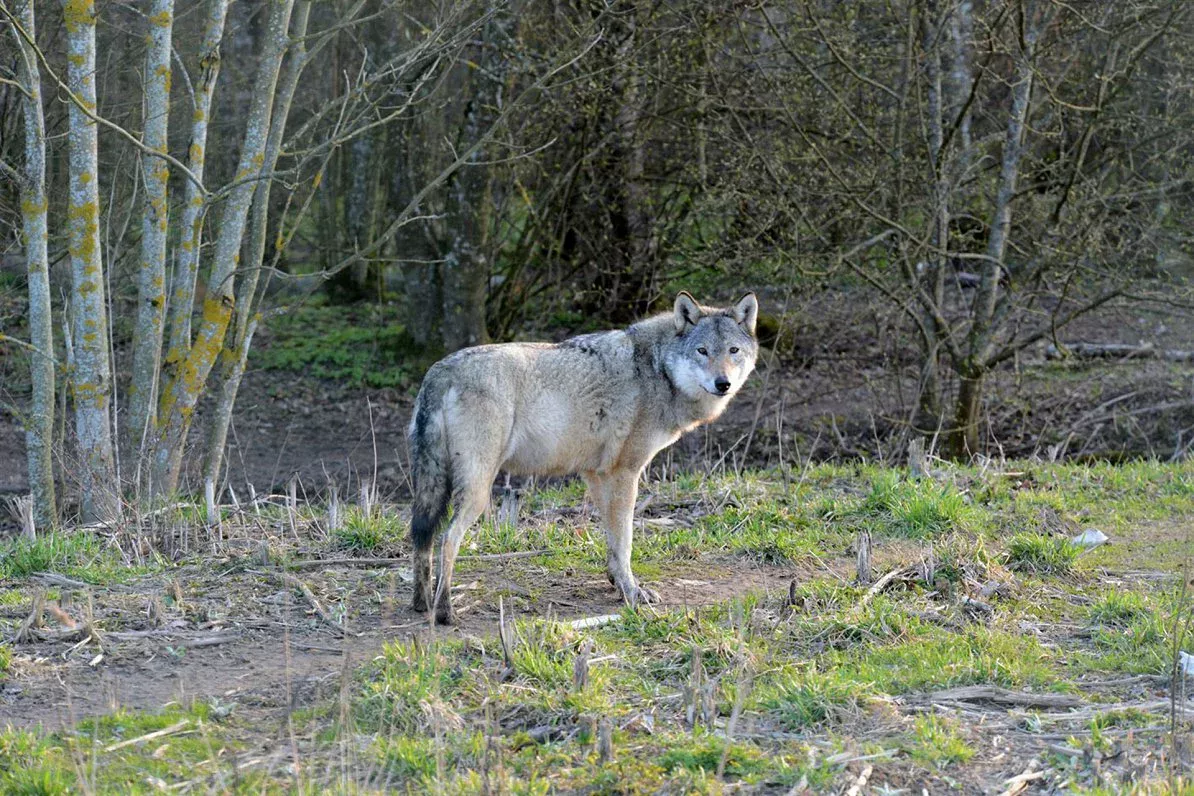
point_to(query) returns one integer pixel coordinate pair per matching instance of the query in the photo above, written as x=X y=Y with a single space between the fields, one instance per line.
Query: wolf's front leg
x=619 y=491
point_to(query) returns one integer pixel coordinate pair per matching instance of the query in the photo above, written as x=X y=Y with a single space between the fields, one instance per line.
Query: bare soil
x=241 y=635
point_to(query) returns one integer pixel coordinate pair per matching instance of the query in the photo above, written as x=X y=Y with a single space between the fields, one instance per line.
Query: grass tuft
x=917 y=509
x=937 y=742
x=76 y=554
x=1042 y=555
x=367 y=534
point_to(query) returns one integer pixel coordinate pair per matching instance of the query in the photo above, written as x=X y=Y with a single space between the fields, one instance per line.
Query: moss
x=78 y=14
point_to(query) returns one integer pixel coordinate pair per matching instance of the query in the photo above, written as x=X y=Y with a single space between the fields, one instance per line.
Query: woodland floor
x=189 y=657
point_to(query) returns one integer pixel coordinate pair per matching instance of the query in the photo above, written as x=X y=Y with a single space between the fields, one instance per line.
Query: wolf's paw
x=421 y=602
x=444 y=615
x=639 y=595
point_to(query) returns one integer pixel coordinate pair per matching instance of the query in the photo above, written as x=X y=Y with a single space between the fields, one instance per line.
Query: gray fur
x=601 y=405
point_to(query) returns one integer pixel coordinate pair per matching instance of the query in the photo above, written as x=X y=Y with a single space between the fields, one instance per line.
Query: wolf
x=601 y=405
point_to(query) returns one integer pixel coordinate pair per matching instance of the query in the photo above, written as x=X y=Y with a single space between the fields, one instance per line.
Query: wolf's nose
x=722 y=384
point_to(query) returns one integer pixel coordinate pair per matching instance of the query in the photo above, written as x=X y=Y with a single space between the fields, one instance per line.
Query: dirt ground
x=240 y=634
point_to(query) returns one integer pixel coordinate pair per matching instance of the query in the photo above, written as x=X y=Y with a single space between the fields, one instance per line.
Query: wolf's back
x=430 y=465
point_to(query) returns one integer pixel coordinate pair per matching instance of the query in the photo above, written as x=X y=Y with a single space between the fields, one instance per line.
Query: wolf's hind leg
x=619 y=491
x=422 y=567
x=471 y=502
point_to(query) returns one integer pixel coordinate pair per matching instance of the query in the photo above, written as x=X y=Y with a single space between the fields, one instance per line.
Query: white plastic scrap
x=1187 y=663
x=1090 y=538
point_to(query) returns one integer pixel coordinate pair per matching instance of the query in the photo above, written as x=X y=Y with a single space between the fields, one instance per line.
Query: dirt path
x=245 y=638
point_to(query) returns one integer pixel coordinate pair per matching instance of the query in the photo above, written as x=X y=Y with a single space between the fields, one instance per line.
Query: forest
x=942 y=539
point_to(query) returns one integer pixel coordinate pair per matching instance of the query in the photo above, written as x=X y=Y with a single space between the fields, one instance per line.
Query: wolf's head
x=714 y=349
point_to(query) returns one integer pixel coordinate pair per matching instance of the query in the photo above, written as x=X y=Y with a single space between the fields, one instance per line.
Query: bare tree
x=39 y=434
x=186 y=383
x=186 y=271
x=91 y=383
x=151 y=273
x=236 y=352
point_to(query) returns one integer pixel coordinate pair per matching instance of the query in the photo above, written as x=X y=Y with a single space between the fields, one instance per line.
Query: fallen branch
x=210 y=641
x=1019 y=783
x=173 y=728
x=860 y=783
x=594 y=621
x=896 y=574
x=308 y=595
x=1001 y=696
x=1117 y=351
x=54 y=579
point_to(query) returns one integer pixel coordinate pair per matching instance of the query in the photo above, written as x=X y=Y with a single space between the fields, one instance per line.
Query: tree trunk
x=632 y=284
x=235 y=357
x=417 y=257
x=151 y=276
x=962 y=441
x=465 y=269
x=981 y=331
x=39 y=435
x=964 y=436
x=932 y=281
x=92 y=372
x=182 y=300
x=181 y=392
x=961 y=31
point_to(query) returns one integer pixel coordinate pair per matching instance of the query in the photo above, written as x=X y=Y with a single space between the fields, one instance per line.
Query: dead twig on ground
x=149 y=736
x=902 y=573
x=1019 y=783
x=594 y=621
x=860 y=783
x=308 y=595
x=1001 y=696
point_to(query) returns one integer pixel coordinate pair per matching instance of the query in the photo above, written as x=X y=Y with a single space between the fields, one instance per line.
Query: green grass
x=1132 y=633
x=77 y=554
x=355 y=344
x=368 y=534
x=938 y=743
x=1042 y=555
x=5 y=660
x=57 y=763
x=917 y=508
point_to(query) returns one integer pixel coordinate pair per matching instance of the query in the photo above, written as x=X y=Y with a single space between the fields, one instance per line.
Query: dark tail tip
x=425 y=524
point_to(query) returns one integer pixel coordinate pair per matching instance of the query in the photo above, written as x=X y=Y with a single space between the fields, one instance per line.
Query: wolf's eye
x=733 y=349
x=703 y=351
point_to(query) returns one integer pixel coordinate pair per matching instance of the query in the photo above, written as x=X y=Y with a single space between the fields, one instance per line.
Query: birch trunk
x=181 y=391
x=92 y=372
x=39 y=436
x=151 y=276
x=235 y=356
x=186 y=269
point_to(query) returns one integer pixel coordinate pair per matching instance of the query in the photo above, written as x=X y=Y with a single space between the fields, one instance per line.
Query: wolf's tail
x=431 y=468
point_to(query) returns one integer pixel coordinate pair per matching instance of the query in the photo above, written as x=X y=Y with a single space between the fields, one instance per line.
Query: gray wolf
x=601 y=405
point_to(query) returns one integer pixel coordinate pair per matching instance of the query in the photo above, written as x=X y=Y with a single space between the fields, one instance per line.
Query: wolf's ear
x=687 y=311
x=746 y=313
